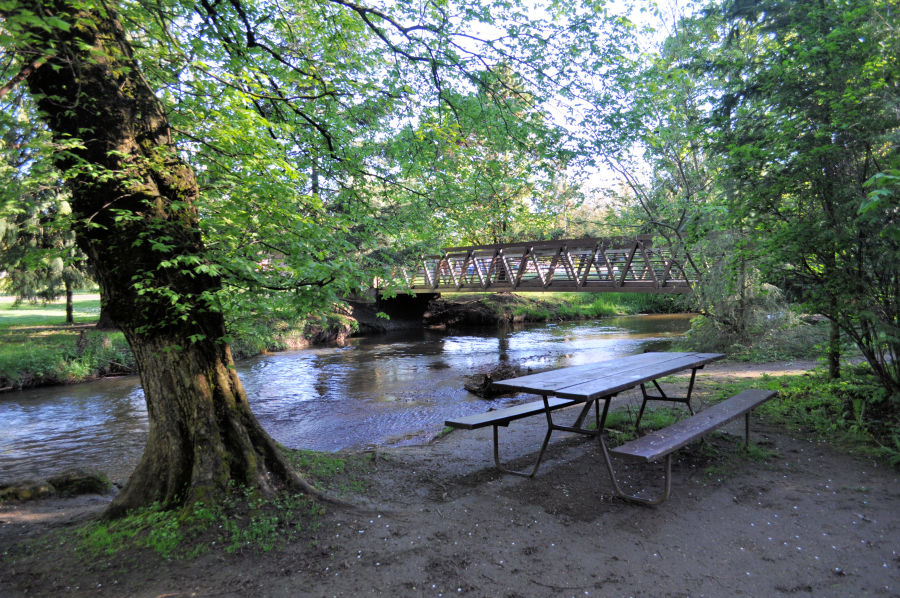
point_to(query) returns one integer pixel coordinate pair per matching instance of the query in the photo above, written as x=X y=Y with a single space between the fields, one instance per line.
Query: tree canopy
x=230 y=152
x=248 y=156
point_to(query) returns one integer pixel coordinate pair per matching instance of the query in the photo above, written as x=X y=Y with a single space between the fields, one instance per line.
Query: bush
x=774 y=335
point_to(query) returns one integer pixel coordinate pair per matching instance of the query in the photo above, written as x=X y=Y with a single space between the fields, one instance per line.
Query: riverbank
x=37 y=349
x=474 y=309
x=795 y=516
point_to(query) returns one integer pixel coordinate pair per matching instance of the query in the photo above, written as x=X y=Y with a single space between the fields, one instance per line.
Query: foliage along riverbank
x=467 y=309
x=38 y=349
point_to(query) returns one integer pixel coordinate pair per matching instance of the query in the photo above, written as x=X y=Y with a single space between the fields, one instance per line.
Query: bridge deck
x=590 y=265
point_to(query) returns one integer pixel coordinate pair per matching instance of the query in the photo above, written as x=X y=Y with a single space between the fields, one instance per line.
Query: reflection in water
x=391 y=389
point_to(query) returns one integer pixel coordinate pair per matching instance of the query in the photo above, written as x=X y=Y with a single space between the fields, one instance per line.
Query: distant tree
x=492 y=162
x=40 y=257
x=654 y=136
x=37 y=246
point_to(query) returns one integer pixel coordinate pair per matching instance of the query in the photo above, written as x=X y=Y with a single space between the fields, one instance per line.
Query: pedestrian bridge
x=632 y=265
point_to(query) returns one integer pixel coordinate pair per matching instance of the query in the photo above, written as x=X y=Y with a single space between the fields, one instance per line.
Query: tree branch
x=22 y=75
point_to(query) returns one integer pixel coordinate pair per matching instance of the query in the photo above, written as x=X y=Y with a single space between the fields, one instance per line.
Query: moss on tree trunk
x=134 y=199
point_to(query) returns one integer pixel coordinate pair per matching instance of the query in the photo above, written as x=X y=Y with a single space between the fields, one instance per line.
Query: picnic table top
x=605 y=378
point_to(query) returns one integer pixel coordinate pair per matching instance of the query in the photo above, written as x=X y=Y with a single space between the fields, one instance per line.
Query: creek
x=375 y=391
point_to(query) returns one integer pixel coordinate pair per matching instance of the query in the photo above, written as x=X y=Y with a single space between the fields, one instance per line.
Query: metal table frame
x=593 y=383
x=551 y=427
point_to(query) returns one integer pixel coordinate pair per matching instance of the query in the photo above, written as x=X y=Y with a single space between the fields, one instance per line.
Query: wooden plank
x=554 y=380
x=495 y=268
x=648 y=264
x=553 y=264
x=502 y=417
x=479 y=270
x=623 y=379
x=559 y=378
x=523 y=266
x=627 y=265
x=660 y=443
x=610 y=269
x=668 y=261
x=587 y=268
x=582 y=263
x=428 y=279
x=464 y=278
x=504 y=261
x=600 y=379
x=558 y=286
x=451 y=269
x=569 y=265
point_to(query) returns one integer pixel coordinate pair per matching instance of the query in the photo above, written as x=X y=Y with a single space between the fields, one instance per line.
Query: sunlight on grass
x=37 y=347
x=87 y=310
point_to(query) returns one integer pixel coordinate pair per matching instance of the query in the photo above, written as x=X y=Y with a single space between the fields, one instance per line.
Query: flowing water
x=382 y=390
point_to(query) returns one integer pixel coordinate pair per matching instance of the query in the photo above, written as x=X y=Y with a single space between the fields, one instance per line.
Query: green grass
x=86 y=311
x=783 y=340
x=542 y=307
x=592 y=305
x=37 y=348
x=620 y=422
x=854 y=412
x=242 y=522
x=336 y=473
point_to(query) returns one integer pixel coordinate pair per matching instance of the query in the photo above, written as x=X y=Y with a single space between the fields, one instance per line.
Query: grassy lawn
x=29 y=315
x=37 y=347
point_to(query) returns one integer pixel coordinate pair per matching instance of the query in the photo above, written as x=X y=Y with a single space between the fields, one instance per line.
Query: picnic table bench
x=502 y=417
x=589 y=384
x=663 y=443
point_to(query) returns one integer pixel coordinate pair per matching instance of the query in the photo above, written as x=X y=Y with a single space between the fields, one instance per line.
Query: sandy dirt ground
x=808 y=520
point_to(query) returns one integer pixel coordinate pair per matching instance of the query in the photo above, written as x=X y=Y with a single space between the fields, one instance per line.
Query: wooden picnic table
x=601 y=381
x=595 y=382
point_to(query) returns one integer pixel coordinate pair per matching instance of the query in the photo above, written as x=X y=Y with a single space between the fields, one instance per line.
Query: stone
x=75 y=482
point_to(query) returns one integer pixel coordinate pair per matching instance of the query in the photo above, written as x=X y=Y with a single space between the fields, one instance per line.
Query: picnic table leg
x=634 y=497
x=662 y=396
x=584 y=411
x=601 y=421
x=598 y=420
x=747 y=430
x=537 y=463
x=550 y=428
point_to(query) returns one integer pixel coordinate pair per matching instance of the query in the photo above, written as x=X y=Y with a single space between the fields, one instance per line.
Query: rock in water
x=482 y=385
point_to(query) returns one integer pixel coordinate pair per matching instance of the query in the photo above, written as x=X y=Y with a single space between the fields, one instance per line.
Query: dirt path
x=807 y=521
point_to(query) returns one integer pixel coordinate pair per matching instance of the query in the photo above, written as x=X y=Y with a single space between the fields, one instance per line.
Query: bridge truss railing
x=590 y=265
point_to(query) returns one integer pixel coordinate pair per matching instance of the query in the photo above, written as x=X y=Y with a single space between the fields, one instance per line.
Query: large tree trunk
x=134 y=199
